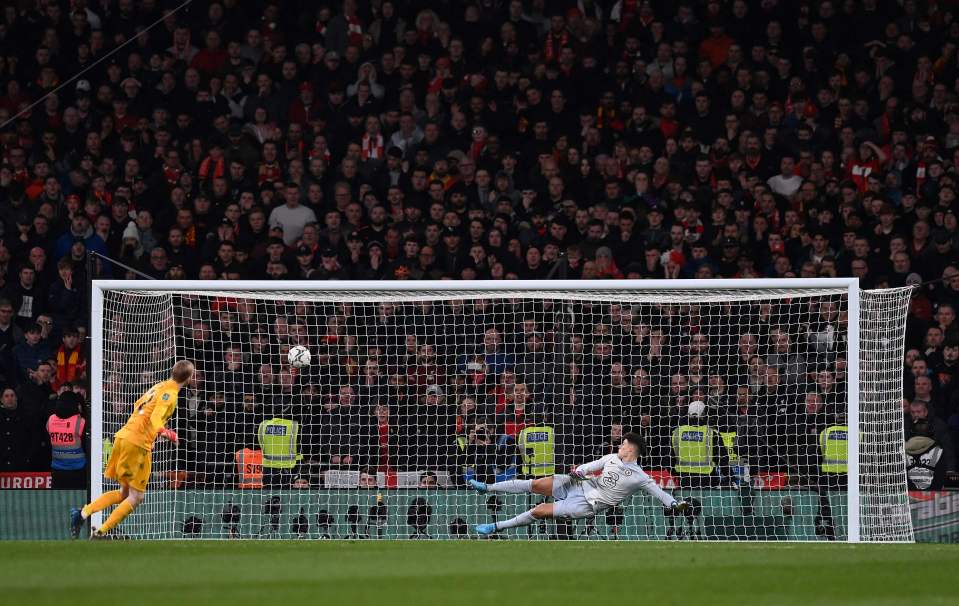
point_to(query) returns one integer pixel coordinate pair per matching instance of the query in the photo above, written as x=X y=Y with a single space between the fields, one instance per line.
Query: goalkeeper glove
x=576 y=474
x=169 y=434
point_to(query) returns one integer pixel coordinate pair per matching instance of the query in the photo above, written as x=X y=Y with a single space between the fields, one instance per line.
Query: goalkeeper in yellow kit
x=129 y=462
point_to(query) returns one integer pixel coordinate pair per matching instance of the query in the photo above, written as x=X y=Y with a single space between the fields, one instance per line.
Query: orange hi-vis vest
x=249 y=468
x=65 y=439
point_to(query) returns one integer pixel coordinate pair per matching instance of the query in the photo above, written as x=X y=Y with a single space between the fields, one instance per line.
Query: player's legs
x=125 y=508
x=540 y=512
x=543 y=486
x=132 y=471
x=105 y=500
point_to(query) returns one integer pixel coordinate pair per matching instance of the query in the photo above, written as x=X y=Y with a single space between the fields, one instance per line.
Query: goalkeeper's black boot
x=76 y=522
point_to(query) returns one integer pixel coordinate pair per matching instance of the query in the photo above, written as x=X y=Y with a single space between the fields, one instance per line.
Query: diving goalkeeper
x=129 y=462
x=579 y=495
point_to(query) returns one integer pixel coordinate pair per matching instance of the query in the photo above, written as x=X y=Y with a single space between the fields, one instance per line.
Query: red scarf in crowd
x=212 y=169
x=172 y=175
x=70 y=366
x=553 y=44
x=627 y=13
x=355 y=30
x=372 y=148
x=315 y=153
x=269 y=173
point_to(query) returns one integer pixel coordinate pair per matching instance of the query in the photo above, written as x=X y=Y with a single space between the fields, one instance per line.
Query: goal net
x=773 y=407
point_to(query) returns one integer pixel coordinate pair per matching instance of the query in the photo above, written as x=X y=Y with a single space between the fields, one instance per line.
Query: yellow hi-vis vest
x=107 y=451
x=279 y=443
x=834 y=449
x=693 y=446
x=537 y=447
x=729 y=441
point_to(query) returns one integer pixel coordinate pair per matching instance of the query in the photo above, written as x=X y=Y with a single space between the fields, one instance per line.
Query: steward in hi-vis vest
x=537 y=449
x=833 y=445
x=67 y=428
x=279 y=443
x=249 y=468
x=698 y=450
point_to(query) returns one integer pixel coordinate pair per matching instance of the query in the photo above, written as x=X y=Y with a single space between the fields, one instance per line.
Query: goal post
x=416 y=386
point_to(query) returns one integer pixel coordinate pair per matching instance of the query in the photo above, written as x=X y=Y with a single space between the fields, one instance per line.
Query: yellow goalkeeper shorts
x=129 y=465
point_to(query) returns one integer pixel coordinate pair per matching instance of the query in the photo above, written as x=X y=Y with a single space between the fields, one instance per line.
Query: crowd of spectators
x=449 y=385
x=488 y=139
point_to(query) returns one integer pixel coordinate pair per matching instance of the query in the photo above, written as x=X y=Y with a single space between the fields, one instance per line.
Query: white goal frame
x=850 y=285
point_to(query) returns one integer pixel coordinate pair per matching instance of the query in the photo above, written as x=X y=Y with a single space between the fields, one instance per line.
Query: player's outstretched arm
x=650 y=486
x=592 y=467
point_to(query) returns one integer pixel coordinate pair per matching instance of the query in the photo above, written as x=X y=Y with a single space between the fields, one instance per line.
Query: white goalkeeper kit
x=617 y=481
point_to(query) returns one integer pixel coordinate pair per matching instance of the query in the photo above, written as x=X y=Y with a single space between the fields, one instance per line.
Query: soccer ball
x=299 y=356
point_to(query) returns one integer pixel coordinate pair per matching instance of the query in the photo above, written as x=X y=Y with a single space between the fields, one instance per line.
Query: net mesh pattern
x=409 y=394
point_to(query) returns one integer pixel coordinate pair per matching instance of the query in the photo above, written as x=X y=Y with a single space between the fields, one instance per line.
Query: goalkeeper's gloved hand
x=680 y=507
x=169 y=434
x=576 y=474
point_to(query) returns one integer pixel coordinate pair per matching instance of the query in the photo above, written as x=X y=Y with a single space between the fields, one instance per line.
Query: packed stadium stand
x=481 y=140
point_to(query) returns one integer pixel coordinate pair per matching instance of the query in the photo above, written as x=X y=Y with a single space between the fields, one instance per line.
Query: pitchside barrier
x=40 y=515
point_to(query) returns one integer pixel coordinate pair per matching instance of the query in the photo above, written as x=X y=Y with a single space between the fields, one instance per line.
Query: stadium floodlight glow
x=794 y=386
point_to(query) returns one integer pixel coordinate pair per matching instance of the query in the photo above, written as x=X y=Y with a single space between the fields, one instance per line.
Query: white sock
x=524 y=519
x=512 y=486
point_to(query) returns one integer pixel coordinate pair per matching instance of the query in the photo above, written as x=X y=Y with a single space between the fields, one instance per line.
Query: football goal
x=774 y=407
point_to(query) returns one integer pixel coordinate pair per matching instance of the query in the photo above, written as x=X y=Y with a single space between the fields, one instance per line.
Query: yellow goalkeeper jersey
x=150 y=414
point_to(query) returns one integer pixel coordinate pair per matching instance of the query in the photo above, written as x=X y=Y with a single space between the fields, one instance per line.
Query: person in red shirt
x=514 y=417
x=304 y=108
x=210 y=59
x=868 y=162
x=715 y=48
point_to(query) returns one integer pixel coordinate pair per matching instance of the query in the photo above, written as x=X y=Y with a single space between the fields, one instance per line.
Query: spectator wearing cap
x=305 y=269
x=291 y=216
x=304 y=108
x=656 y=232
x=451 y=253
x=355 y=247
x=330 y=267
x=728 y=262
x=374 y=264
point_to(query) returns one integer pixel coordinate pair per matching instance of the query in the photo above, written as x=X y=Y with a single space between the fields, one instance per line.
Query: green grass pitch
x=474 y=572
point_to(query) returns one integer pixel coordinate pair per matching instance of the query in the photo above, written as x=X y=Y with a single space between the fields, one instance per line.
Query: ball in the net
x=299 y=356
